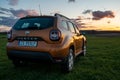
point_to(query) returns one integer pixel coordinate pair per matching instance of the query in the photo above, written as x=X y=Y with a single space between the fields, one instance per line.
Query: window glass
x=64 y=24
x=71 y=27
x=34 y=23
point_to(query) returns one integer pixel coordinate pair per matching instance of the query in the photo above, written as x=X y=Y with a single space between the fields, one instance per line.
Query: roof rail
x=56 y=14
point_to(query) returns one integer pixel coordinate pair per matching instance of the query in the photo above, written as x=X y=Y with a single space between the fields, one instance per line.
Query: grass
x=102 y=62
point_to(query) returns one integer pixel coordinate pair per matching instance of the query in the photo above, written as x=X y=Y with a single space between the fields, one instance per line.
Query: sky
x=90 y=14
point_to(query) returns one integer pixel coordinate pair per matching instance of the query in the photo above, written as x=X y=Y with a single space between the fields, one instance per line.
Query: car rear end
x=36 y=38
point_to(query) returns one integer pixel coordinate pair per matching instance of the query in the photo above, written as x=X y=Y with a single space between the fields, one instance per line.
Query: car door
x=80 y=39
x=76 y=37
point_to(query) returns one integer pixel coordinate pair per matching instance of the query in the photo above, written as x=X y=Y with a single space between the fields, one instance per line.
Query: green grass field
x=102 y=62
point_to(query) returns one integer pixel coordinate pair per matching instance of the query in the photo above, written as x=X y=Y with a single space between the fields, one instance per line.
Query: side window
x=64 y=24
x=71 y=27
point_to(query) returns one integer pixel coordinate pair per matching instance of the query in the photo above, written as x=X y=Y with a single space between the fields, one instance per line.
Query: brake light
x=9 y=35
x=55 y=35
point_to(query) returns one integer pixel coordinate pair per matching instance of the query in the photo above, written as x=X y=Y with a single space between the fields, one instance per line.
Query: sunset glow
x=104 y=24
x=112 y=24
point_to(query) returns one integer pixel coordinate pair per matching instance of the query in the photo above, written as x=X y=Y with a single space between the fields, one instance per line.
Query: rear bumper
x=32 y=56
x=54 y=50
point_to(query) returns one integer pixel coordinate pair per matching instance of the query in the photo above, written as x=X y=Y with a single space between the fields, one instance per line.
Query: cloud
x=8 y=17
x=2 y=12
x=22 y=13
x=87 y=11
x=97 y=15
x=71 y=0
x=18 y=13
x=3 y=9
x=13 y=2
x=8 y=21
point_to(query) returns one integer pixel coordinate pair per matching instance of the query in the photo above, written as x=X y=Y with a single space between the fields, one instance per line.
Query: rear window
x=34 y=23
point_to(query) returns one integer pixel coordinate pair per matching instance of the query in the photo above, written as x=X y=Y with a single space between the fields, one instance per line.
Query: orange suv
x=40 y=38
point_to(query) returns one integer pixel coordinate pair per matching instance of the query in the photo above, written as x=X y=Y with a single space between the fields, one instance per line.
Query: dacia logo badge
x=27 y=32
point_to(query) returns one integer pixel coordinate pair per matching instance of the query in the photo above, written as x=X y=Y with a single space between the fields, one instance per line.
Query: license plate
x=27 y=43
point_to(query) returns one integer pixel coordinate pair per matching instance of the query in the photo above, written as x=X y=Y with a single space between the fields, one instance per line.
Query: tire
x=19 y=63
x=68 y=63
x=83 y=49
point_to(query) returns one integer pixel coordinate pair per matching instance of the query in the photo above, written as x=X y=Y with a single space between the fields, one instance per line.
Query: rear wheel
x=68 y=63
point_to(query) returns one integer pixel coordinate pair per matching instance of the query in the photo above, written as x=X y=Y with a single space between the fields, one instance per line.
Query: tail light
x=9 y=35
x=55 y=35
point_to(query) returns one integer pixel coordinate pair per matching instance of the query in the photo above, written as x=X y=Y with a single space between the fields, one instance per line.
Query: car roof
x=42 y=16
x=27 y=17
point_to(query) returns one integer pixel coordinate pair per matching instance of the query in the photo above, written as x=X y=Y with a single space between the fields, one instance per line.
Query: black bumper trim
x=28 y=55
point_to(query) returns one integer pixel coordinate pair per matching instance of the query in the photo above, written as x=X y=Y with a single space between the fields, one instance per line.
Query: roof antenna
x=40 y=10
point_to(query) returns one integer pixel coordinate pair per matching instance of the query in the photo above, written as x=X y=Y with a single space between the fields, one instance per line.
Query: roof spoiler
x=59 y=15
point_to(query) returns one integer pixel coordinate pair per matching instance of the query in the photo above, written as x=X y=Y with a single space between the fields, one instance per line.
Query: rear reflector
x=9 y=35
x=55 y=35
